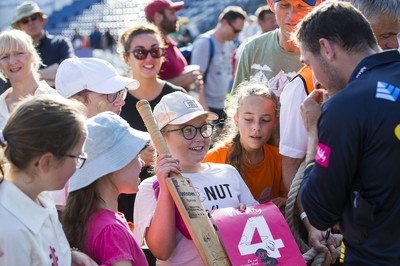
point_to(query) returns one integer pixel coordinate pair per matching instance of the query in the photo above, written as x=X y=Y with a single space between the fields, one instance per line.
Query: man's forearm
x=312 y=145
x=290 y=166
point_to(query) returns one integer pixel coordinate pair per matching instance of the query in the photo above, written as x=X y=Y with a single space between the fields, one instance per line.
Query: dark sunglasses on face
x=32 y=18
x=141 y=53
x=236 y=31
x=113 y=96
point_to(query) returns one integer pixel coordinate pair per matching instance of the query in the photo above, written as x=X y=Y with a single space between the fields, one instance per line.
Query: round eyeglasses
x=113 y=96
x=189 y=132
x=141 y=53
x=79 y=159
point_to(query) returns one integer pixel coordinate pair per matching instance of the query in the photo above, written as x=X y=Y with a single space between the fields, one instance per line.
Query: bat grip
x=145 y=112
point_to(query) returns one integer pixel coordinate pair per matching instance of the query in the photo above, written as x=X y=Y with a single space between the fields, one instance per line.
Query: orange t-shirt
x=264 y=179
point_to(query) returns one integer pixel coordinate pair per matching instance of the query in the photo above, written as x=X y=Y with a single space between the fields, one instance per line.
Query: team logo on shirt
x=397 y=131
x=387 y=91
x=323 y=154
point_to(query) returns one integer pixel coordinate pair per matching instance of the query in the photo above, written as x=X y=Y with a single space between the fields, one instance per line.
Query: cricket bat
x=187 y=201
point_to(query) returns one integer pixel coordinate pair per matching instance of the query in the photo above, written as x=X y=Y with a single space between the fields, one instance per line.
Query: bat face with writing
x=186 y=199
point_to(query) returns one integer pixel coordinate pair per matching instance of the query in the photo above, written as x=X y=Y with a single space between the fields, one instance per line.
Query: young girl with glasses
x=91 y=219
x=142 y=48
x=43 y=145
x=186 y=130
x=252 y=117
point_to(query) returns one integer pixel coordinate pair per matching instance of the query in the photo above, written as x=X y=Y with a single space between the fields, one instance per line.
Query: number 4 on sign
x=268 y=243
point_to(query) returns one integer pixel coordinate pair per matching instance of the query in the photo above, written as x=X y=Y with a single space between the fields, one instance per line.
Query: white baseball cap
x=178 y=108
x=78 y=74
x=111 y=145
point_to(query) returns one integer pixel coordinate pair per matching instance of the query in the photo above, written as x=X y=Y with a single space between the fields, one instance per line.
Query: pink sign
x=259 y=236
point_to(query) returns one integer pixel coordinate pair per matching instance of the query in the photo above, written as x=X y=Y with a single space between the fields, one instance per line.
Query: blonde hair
x=17 y=40
x=231 y=132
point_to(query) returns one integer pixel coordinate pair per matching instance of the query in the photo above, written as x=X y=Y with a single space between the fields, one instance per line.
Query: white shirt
x=43 y=88
x=30 y=234
x=293 y=134
x=218 y=186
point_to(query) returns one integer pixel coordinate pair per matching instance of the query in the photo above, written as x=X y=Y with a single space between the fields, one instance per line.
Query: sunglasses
x=32 y=18
x=141 y=53
x=236 y=31
x=113 y=96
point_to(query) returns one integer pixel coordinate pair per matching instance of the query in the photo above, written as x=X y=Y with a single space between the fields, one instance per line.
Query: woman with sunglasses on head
x=19 y=62
x=91 y=219
x=43 y=145
x=186 y=129
x=142 y=48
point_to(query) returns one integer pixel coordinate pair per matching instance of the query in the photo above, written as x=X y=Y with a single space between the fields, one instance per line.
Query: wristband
x=303 y=216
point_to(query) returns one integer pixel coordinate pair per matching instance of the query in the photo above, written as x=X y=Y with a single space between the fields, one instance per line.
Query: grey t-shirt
x=219 y=75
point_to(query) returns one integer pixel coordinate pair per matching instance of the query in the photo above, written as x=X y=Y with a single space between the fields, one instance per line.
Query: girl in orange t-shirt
x=252 y=117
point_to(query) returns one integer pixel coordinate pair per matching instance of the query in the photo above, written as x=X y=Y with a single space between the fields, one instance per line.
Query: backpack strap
x=211 y=56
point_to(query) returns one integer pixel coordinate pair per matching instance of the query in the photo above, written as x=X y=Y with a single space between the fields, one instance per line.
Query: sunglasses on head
x=32 y=18
x=141 y=53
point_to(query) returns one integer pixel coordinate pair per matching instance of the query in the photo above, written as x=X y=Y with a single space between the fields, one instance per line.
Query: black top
x=54 y=49
x=131 y=114
x=356 y=177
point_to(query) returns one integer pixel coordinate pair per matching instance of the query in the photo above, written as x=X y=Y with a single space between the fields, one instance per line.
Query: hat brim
x=116 y=158
x=44 y=17
x=115 y=84
x=187 y=117
x=177 y=5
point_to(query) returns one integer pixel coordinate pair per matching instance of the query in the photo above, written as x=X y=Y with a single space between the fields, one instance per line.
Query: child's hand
x=280 y=202
x=242 y=207
x=164 y=166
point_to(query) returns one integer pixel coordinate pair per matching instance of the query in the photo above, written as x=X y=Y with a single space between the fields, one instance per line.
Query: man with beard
x=162 y=14
x=217 y=66
x=354 y=136
x=384 y=18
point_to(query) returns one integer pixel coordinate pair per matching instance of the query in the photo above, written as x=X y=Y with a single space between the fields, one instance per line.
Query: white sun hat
x=110 y=146
x=93 y=74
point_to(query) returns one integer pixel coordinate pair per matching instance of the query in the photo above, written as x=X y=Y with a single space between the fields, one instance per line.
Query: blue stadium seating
x=117 y=15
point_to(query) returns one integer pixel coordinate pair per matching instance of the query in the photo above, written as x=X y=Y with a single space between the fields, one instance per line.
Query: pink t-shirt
x=109 y=240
